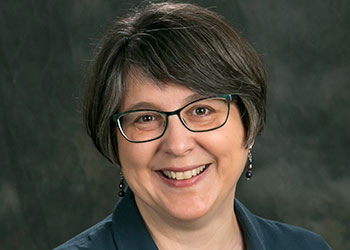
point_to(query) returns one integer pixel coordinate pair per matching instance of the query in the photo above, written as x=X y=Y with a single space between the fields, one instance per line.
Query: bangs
x=182 y=54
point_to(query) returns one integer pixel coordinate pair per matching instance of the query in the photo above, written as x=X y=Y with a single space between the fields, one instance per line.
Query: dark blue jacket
x=125 y=230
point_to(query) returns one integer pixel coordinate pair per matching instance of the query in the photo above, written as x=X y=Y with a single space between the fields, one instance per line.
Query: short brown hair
x=179 y=43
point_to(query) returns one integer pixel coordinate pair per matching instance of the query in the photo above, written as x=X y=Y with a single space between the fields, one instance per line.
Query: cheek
x=133 y=156
x=230 y=137
x=133 y=162
x=227 y=145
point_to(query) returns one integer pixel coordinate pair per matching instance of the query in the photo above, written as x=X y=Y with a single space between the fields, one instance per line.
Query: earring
x=121 y=185
x=249 y=172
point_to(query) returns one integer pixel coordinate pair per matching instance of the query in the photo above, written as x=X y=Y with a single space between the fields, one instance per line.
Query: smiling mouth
x=184 y=175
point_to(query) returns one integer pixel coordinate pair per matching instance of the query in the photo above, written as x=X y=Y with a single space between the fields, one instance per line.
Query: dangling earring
x=249 y=172
x=121 y=185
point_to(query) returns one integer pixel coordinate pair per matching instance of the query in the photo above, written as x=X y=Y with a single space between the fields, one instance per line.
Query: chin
x=189 y=209
x=189 y=215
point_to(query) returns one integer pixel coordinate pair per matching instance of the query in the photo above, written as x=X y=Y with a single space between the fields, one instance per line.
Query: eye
x=145 y=118
x=200 y=111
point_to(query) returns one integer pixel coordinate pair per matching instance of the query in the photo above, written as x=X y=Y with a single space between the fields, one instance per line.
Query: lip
x=186 y=182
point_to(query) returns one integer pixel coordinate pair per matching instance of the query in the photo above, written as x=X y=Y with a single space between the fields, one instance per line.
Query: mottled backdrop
x=53 y=183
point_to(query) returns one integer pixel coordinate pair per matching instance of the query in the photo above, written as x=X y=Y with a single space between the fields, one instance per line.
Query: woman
x=176 y=98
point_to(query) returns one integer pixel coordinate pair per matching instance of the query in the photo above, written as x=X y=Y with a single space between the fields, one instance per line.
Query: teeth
x=194 y=172
x=187 y=174
x=184 y=175
x=179 y=175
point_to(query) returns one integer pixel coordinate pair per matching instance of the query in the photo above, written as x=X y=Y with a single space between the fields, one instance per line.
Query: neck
x=218 y=229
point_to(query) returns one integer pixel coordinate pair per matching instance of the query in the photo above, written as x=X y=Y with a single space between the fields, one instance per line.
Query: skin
x=203 y=211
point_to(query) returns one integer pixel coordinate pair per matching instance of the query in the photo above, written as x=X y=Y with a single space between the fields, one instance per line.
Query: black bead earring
x=249 y=172
x=121 y=185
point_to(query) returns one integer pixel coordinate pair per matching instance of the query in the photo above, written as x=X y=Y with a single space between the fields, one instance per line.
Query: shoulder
x=265 y=234
x=283 y=236
x=98 y=236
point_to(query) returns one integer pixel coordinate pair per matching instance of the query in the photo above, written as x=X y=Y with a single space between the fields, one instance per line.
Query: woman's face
x=180 y=150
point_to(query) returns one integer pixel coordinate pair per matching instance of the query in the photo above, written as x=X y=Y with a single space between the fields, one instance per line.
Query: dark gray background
x=54 y=184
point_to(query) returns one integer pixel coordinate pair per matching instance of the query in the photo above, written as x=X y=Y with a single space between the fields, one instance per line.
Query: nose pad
x=177 y=139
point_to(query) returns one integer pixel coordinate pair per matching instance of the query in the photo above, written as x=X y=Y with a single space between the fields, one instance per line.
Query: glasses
x=144 y=125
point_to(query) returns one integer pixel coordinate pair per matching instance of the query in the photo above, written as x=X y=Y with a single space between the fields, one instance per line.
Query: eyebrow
x=148 y=105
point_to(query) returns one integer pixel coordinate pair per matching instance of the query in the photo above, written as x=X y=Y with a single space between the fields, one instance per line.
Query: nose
x=177 y=140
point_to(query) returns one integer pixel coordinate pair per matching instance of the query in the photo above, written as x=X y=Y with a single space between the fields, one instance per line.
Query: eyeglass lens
x=202 y=115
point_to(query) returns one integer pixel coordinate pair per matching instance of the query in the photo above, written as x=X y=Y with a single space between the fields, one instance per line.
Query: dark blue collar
x=129 y=230
x=248 y=225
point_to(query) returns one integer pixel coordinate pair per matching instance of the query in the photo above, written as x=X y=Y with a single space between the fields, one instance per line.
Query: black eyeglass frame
x=228 y=97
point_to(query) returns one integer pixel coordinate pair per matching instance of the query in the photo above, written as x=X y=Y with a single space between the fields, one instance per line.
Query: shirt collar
x=248 y=225
x=129 y=230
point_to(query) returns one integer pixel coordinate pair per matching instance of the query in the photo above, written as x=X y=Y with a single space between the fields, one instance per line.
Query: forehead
x=143 y=92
